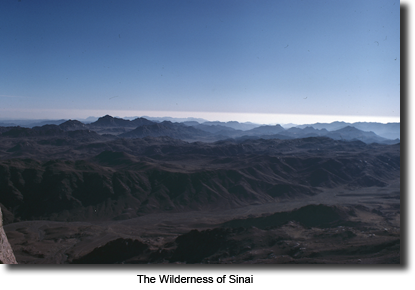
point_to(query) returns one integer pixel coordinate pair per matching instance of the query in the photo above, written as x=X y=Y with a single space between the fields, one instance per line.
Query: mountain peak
x=71 y=125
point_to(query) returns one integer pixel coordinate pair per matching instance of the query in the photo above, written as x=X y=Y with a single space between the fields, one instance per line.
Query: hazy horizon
x=225 y=117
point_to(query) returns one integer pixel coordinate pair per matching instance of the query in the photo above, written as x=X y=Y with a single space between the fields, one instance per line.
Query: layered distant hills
x=93 y=177
x=208 y=131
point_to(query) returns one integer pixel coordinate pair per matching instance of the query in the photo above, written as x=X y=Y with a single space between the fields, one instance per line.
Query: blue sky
x=74 y=59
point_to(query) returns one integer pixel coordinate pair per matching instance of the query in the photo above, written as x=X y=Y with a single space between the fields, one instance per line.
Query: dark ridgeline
x=109 y=121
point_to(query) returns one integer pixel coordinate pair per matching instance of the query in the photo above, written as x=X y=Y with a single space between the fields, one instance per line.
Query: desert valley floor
x=367 y=234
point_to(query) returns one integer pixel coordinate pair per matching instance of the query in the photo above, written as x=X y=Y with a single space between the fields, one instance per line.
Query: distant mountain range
x=389 y=130
x=192 y=130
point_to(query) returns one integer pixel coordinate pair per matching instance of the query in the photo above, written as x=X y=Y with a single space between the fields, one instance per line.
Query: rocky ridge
x=6 y=251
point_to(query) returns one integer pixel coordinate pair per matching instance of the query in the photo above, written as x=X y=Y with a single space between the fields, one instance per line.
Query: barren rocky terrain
x=78 y=196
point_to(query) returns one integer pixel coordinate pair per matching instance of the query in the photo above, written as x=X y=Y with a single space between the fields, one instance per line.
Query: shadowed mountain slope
x=321 y=216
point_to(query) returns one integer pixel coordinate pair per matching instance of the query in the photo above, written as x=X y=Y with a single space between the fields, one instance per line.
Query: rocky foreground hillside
x=6 y=251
